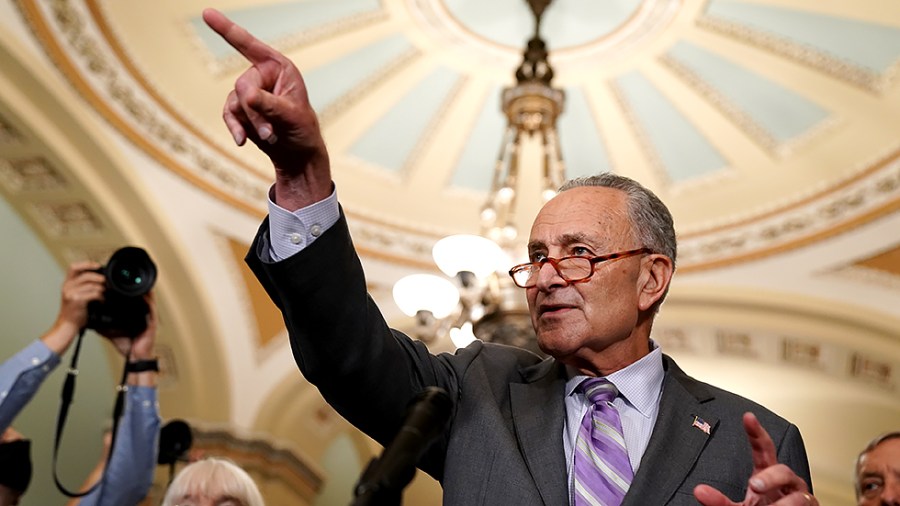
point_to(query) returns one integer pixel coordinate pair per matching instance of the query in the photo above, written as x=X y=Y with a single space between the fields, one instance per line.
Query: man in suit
x=602 y=254
x=878 y=472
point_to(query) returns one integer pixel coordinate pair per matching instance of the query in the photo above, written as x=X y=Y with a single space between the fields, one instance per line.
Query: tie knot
x=598 y=390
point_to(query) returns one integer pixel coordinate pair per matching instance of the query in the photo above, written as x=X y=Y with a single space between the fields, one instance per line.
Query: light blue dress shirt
x=130 y=473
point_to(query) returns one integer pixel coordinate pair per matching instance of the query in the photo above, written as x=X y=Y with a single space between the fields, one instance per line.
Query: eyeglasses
x=571 y=269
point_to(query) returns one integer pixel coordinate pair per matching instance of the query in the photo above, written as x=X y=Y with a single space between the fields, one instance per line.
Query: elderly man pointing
x=607 y=419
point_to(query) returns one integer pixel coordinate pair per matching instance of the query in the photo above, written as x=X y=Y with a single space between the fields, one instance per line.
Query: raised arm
x=129 y=476
x=269 y=105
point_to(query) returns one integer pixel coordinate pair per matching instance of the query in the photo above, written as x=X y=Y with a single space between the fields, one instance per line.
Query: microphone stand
x=385 y=477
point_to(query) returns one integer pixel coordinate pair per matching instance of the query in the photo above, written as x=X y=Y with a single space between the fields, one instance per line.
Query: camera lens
x=127 y=279
x=130 y=272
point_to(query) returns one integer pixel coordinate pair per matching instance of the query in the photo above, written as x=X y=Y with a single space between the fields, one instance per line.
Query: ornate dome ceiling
x=770 y=128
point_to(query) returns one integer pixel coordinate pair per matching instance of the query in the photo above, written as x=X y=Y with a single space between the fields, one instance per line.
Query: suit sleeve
x=339 y=338
x=792 y=452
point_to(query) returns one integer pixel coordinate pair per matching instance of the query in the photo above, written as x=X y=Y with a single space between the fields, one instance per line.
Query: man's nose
x=548 y=276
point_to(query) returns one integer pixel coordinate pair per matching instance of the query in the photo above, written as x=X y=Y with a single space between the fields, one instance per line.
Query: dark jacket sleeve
x=339 y=338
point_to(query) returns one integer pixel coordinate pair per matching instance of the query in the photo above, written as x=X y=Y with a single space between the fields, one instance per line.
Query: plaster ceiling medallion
x=584 y=31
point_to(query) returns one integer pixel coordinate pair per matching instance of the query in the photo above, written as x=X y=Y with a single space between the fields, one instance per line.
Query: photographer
x=131 y=466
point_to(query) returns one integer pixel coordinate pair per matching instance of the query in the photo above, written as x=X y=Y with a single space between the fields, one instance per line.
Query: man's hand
x=770 y=483
x=269 y=105
x=81 y=286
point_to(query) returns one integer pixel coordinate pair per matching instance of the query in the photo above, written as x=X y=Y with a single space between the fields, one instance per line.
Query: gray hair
x=213 y=477
x=869 y=447
x=651 y=220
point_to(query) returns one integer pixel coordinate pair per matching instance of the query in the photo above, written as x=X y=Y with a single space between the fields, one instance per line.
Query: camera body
x=130 y=274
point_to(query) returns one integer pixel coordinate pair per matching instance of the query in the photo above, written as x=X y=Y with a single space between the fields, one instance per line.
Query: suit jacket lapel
x=538 y=414
x=675 y=443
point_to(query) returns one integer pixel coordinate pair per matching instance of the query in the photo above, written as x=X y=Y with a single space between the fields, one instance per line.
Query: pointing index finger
x=254 y=50
x=762 y=447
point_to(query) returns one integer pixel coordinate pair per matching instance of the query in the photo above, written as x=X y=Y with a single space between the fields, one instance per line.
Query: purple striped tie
x=602 y=470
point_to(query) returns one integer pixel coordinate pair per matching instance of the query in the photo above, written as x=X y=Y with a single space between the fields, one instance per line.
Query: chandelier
x=482 y=302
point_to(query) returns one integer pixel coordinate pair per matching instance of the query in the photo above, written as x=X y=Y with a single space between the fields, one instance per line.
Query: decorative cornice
x=855 y=202
x=99 y=70
x=259 y=455
x=867 y=276
x=34 y=174
x=8 y=133
x=807 y=353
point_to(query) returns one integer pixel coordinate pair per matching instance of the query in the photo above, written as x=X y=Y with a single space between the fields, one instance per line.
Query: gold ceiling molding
x=384 y=242
x=873 y=193
x=881 y=269
x=807 y=55
x=8 y=133
x=31 y=174
x=87 y=61
x=67 y=219
x=843 y=209
x=785 y=350
x=887 y=261
x=745 y=123
x=34 y=186
x=267 y=317
x=260 y=457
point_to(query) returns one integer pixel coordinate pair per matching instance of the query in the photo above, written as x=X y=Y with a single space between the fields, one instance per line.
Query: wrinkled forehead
x=593 y=211
x=887 y=453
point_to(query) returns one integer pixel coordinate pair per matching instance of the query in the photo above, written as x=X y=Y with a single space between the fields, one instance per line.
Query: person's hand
x=142 y=347
x=81 y=286
x=269 y=105
x=10 y=435
x=770 y=483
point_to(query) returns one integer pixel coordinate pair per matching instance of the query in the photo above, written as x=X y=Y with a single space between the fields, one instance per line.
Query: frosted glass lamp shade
x=425 y=292
x=463 y=336
x=457 y=253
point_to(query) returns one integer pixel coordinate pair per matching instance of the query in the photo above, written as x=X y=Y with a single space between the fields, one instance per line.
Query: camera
x=130 y=274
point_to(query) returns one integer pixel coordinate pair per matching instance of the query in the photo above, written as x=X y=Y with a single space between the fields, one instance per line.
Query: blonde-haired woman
x=213 y=482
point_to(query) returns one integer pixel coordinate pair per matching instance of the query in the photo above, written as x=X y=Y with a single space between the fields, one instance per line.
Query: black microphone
x=384 y=478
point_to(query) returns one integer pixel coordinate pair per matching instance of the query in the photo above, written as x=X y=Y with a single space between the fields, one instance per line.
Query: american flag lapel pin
x=700 y=424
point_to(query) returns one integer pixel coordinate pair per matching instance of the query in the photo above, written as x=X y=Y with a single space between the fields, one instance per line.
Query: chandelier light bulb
x=488 y=215
x=548 y=194
x=463 y=252
x=510 y=233
x=505 y=194
x=425 y=292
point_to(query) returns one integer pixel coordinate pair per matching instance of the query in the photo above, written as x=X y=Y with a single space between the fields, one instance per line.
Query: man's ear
x=656 y=273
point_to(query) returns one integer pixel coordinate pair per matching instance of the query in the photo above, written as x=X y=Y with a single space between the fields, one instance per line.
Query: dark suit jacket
x=504 y=444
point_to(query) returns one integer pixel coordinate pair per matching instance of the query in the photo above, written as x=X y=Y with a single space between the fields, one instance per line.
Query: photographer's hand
x=81 y=286
x=142 y=347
